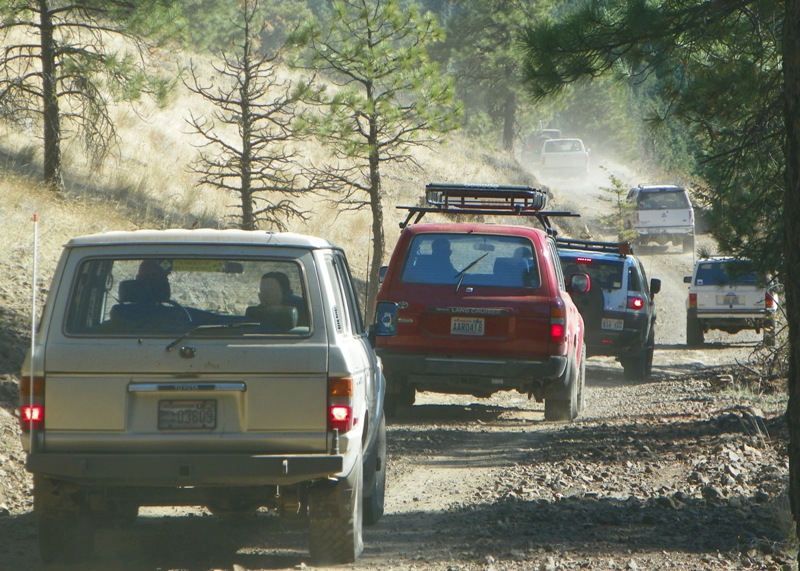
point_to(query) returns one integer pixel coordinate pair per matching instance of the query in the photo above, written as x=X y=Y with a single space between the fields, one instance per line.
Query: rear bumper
x=468 y=375
x=735 y=316
x=184 y=469
x=735 y=322
x=664 y=230
x=613 y=343
x=601 y=341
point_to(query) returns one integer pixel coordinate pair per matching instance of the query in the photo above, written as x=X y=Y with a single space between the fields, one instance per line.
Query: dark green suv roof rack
x=492 y=200
x=621 y=248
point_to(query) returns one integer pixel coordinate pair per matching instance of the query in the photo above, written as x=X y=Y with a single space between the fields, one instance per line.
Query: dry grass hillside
x=148 y=184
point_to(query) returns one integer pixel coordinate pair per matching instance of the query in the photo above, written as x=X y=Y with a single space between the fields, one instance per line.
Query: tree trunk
x=509 y=121
x=51 y=114
x=791 y=244
x=376 y=208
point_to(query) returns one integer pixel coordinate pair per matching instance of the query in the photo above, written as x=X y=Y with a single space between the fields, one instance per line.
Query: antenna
x=33 y=317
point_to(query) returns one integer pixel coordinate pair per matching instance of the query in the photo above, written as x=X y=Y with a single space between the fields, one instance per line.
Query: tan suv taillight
x=31 y=403
x=693 y=300
x=340 y=404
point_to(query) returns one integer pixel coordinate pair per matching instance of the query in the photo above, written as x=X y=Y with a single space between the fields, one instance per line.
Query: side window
x=90 y=297
x=634 y=279
x=350 y=296
x=345 y=307
x=556 y=264
x=338 y=306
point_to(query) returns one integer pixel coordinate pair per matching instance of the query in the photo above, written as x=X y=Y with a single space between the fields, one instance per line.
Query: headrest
x=144 y=291
x=279 y=318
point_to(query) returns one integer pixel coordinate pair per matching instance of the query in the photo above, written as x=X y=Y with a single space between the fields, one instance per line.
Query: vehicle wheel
x=688 y=244
x=582 y=384
x=404 y=398
x=117 y=515
x=66 y=532
x=639 y=365
x=649 y=350
x=769 y=335
x=634 y=365
x=390 y=405
x=65 y=537
x=375 y=478
x=335 y=524
x=555 y=409
x=694 y=332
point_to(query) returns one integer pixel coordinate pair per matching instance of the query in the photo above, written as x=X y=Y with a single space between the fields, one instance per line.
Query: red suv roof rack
x=622 y=248
x=494 y=200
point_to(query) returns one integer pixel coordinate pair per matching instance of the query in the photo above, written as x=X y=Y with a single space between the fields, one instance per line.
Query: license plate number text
x=612 y=324
x=467 y=326
x=187 y=414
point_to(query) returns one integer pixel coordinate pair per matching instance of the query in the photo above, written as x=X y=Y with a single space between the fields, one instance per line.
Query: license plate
x=612 y=324
x=466 y=326
x=187 y=414
x=729 y=299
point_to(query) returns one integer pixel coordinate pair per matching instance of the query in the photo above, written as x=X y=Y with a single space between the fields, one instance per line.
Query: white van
x=661 y=213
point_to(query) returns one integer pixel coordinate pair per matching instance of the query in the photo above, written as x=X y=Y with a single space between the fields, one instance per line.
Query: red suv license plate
x=467 y=325
x=187 y=414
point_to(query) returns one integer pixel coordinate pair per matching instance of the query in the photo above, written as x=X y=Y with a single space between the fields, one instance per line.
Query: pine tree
x=386 y=98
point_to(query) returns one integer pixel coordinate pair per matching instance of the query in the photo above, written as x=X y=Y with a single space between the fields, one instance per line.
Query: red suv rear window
x=471 y=260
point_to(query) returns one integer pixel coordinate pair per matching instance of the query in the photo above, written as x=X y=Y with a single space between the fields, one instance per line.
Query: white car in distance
x=564 y=158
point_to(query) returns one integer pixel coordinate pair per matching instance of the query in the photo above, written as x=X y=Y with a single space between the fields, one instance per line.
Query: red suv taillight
x=558 y=324
x=769 y=301
x=692 y=300
x=340 y=404
x=31 y=403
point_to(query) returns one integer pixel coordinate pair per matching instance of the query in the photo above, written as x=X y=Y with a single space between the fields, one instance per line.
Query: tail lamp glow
x=635 y=302
x=693 y=300
x=558 y=322
x=769 y=301
x=340 y=404
x=31 y=410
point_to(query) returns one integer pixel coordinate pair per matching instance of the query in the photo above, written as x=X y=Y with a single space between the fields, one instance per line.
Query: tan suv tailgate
x=234 y=396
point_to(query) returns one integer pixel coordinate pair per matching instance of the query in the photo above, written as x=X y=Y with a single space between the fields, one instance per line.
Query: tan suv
x=222 y=368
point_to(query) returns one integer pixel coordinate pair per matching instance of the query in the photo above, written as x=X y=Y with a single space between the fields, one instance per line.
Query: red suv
x=483 y=307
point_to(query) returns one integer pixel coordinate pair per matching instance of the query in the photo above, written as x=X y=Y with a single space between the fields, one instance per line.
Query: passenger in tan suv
x=275 y=292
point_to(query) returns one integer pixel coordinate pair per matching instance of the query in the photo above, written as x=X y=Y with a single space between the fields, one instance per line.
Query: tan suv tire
x=335 y=532
x=66 y=532
x=375 y=474
x=65 y=539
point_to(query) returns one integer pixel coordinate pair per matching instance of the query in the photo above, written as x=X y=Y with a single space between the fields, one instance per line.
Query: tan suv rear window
x=170 y=296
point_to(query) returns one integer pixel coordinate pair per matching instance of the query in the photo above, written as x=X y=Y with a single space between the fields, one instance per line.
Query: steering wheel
x=185 y=311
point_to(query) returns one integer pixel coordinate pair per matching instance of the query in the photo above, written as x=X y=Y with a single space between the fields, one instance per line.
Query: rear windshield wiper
x=211 y=327
x=460 y=275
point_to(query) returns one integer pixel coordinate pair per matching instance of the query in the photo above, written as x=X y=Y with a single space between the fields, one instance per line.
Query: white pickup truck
x=564 y=157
